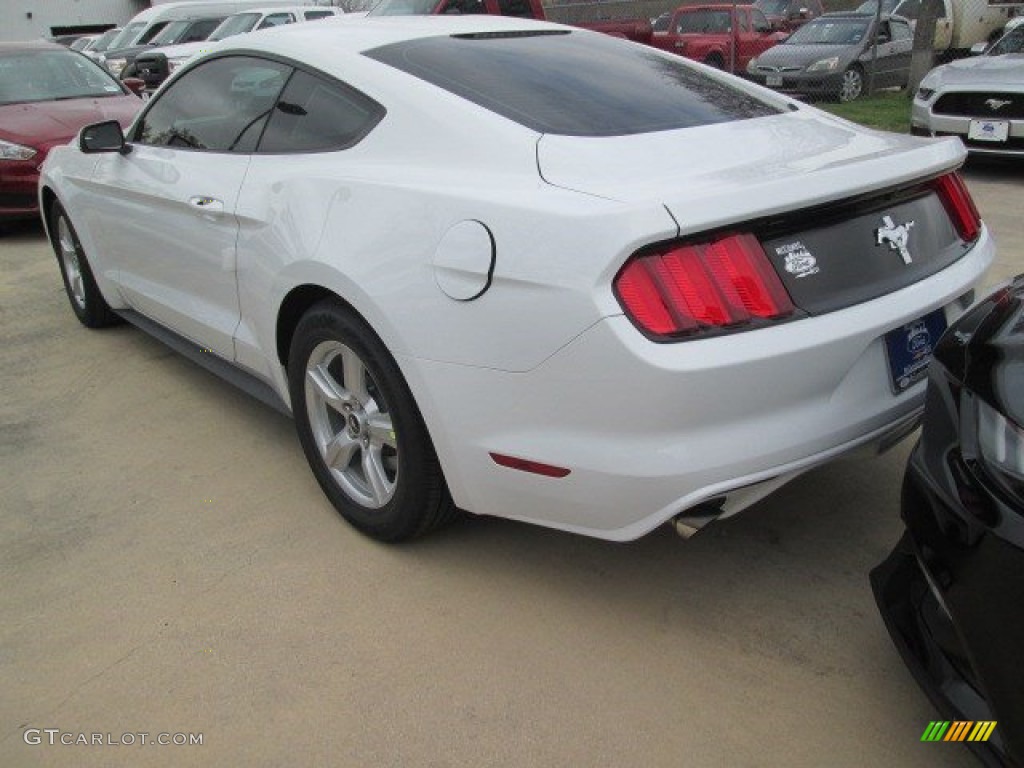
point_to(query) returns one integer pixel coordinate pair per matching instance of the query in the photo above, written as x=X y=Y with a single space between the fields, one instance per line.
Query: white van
x=155 y=64
x=146 y=24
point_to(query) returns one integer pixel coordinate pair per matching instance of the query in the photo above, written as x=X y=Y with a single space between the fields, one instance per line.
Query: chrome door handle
x=206 y=204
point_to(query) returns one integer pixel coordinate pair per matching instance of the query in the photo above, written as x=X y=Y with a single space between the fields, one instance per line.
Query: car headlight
x=1001 y=448
x=825 y=65
x=115 y=66
x=924 y=94
x=752 y=66
x=9 y=151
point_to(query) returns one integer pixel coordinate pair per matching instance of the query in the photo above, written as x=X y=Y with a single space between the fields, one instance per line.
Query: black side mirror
x=103 y=137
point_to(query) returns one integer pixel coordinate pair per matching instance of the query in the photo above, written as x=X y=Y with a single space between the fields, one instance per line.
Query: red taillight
x=959 y=205
x=702 y=286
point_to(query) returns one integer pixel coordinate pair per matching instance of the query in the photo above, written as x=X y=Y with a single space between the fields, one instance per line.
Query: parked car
x=82 y=43
x=47 y=93
x=833 y=56
x=980 y=99
x=951 y=591
x=428 y=240
x=101 y=43
x=147 y=23
x=154 y=65
x=721 y=35
x=121 y=61
x=788 y=15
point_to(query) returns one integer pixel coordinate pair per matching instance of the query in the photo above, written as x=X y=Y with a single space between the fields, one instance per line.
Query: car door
x=902 y=50
x=304 y=158
x=875 y=55
x=168 y=223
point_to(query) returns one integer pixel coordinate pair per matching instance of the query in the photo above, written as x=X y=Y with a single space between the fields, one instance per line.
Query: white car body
x=980 y=99
x=544 y=365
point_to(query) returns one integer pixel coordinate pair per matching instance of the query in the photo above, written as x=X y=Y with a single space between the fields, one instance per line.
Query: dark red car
x=47 y=93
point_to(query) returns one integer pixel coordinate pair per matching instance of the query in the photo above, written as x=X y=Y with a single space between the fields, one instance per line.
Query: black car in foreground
x=952 y=592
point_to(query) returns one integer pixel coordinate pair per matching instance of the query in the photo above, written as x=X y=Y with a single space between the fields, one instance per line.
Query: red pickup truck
x=722 y=36
x=638 y=30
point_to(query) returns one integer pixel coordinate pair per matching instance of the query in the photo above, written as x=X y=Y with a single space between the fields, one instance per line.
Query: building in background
x=33 y=19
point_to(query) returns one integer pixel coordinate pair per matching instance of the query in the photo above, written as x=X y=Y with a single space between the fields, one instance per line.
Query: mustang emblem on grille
x=896 y=237
x=996 y=104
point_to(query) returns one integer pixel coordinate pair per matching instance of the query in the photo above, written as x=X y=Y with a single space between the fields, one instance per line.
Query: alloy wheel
x=351 y=425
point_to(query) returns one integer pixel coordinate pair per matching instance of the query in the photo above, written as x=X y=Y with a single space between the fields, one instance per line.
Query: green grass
x=887 y=111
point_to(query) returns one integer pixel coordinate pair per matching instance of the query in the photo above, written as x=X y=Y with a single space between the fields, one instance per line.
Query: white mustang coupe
x=522 y=269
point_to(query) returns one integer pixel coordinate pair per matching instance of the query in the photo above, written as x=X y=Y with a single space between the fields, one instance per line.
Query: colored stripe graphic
x=958 y=730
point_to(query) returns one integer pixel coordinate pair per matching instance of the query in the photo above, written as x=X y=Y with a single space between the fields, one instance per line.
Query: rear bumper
x=650 y=430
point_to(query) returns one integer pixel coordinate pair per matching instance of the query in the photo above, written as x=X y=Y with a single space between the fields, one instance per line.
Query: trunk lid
x=844 y=214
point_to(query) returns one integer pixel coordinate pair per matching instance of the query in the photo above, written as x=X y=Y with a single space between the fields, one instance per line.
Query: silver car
x=980 y=99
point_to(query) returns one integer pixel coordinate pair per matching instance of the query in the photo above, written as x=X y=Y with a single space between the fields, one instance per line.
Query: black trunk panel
x=843 y=255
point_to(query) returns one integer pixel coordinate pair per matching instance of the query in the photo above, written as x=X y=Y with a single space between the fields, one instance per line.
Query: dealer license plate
x=773 y=81
x=910 y=348
x=989 y=130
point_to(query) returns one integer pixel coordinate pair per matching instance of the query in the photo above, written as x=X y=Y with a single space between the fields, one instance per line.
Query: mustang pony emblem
x=896 y=237
x=996 y=104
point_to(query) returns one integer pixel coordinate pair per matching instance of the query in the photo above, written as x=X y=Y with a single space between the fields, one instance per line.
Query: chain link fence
x=839 y=50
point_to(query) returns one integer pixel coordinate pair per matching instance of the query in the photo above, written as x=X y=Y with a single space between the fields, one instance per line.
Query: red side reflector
x=702 y=286
x=525 y=465
x=959 y=205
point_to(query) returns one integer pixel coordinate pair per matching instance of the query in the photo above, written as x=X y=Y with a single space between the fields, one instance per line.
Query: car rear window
x=573 y=84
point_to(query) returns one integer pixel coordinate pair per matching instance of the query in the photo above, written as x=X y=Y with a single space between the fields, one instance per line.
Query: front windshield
x=1011 y=42
x=772 y=7
x=235 y=25
x=830 y=32
x=27 y=76
x=403 y=8
x=127 y=36
x=170 y=33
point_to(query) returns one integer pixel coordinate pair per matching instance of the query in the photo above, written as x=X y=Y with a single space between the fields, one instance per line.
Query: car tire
x=87 y=302
x=852 y=85
x=715 y=61
x=360 y=429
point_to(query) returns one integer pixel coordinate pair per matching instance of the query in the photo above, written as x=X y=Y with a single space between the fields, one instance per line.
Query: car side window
x=315 y=114
x=744 y=21
x=313 y=15
x=276 y=20
x=900 y=30
x=200 y=30
x=221 y=106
